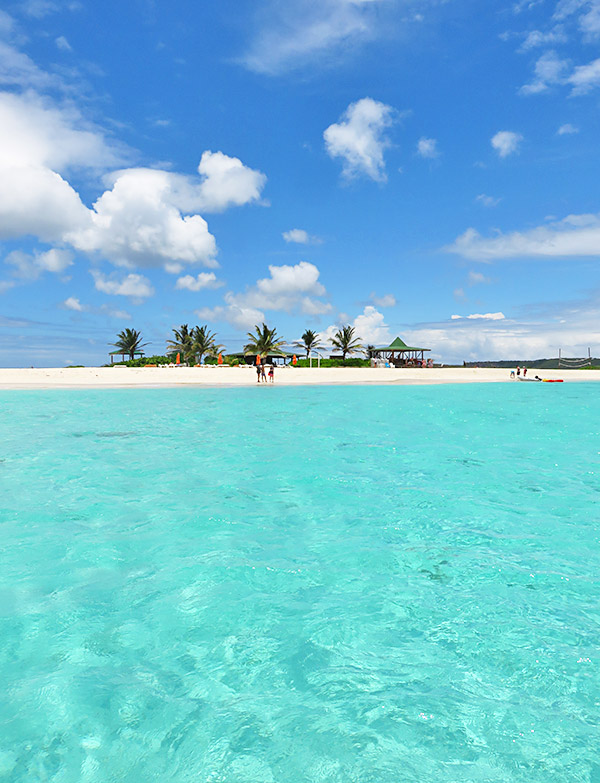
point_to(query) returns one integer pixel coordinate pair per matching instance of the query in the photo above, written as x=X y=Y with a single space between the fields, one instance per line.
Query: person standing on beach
x=271 y=373
x=263 y=374
x=518 y=371
x=258 y=372
x=524 y=371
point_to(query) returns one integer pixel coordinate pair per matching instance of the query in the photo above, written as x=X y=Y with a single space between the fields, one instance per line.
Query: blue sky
x=411 y=167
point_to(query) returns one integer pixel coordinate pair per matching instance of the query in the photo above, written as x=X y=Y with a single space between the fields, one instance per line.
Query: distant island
x=588 y=363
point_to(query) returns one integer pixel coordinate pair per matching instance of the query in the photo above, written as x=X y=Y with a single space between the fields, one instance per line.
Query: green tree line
x=199 y=342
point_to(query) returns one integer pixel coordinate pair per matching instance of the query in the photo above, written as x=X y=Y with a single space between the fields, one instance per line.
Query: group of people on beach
x=261 y=373
x=512 y=372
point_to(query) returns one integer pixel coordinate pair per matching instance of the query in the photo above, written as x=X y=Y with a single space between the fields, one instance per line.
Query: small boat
x=533 y=380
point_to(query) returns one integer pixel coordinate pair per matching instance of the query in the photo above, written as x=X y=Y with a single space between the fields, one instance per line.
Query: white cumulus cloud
x=575 y=235
x=30 y=266
x=549 y=69
x=506 y=142
x=146 y=217
x=370 y=328
x=567 y=129
x=585 y=77
x=226 y=182
x=298 y=32
x=487 y=201
x=76 y=305
x=387 y=300
x=537 y=38
x=35 y=132
x=475 y=278
x=201 y=281
x=427 y=148
x=300 y=237
x=572 y=329
x=287 y=288
x=62 y=43
x=132 y=285
x=138 y=223
x=359 y=138
x=73 y=303
x=242 y=318
x=481 y=317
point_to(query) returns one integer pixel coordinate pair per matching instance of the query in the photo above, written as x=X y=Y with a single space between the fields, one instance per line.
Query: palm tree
x=310 y=342
x=183 y=342
x=203 y=343
x=264 y=342
x=345 y=341
x=129 y=342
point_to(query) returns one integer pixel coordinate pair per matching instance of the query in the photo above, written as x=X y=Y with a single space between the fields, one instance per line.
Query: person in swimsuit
x=271 y=373
x=258 y=373
x=263 y=374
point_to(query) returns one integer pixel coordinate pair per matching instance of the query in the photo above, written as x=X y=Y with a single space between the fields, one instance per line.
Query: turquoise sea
x=312 y=585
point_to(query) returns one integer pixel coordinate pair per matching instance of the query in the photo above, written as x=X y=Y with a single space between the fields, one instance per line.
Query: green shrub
x=350 y=362
x=144 y=360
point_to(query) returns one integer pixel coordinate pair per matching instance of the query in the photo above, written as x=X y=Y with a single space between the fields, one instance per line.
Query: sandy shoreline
x=156 y=377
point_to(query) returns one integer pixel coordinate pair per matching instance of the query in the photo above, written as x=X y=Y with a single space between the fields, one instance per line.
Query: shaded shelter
x=400 y=354
x=273 y=357
x=124 y=355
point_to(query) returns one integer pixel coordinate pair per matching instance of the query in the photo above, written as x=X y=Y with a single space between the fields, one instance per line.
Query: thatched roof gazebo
x=400 y=352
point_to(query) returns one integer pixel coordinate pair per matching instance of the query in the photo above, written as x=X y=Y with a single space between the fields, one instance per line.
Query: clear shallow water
x=355 y=585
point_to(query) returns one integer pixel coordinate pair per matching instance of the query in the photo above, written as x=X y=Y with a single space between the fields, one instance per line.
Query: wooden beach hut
x=400 y=354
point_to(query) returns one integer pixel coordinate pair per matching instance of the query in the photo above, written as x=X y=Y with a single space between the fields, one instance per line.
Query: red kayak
x=552 y=380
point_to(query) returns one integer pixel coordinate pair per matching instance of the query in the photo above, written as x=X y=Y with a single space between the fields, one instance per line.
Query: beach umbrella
x=220 y=359
x=294 y=360
x=178 y=359
x=258 y=359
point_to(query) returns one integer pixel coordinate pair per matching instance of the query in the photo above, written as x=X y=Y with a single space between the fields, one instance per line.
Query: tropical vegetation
x=345 y=341
x=129 y=342
x=198 y=344
x=192 y=344
x=350 y=362
x=264 y=341
x=204 y=343
x=310 y=342
x=181 y=343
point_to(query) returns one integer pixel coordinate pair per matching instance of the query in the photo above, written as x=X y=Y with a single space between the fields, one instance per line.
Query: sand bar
x=152 y=377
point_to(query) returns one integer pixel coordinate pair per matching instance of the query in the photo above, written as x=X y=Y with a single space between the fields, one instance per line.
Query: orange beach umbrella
x=258 y=359
x=178 y=359
x=220 y=359
x=294 y=360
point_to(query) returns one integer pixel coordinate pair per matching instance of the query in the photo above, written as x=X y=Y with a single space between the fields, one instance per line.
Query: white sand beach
x=130 y=377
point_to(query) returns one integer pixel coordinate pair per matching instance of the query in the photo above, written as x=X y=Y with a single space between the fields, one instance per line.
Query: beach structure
x=272 y=357
x=575 y=364
x=400 y=354
x=124 y=355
